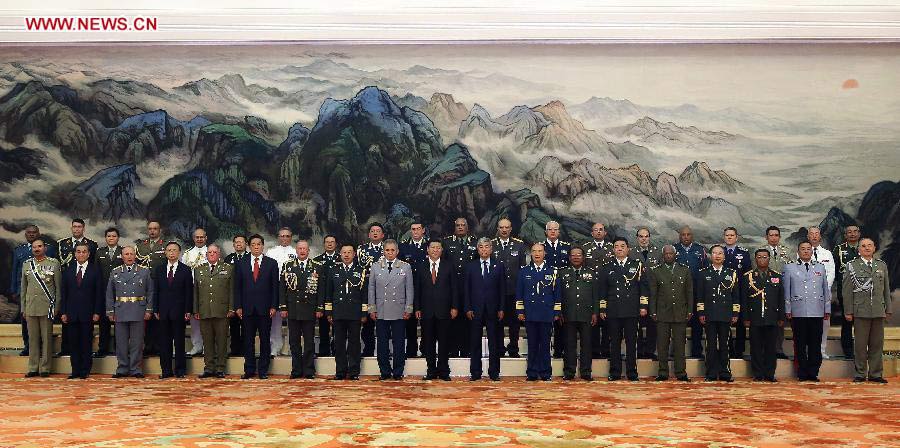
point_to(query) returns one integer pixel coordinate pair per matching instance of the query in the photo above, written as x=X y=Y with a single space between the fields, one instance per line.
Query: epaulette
x=315 y=262
x=516 y=239
x=564 y=243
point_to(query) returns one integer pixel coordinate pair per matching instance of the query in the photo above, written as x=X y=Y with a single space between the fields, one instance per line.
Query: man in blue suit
x=172 y=307
x=255 y=299
x=483 y=291
x=81 y=303
x=538 y=305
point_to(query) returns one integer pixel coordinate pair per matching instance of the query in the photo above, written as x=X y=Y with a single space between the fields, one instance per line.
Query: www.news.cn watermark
x=96 y=23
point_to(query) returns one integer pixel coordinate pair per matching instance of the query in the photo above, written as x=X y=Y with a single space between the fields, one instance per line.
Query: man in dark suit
x=172 y=307
x=436 y=304
x=81 y=303
x=255 y=299
x=483 y=291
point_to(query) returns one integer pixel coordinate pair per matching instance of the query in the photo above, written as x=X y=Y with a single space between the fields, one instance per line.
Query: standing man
x=843 y=254
x=346 y=306
x=151 y=254
x=867 y=286
x=719 y=305
x=414 y=251
x=235 y=325
x=693 y=256
x=578 y=293
x=762 y=302
x=213 y=306
x=328 y=259
x=193 y=258
x=807 y=302
x=282 y=253
x=538 y=305
x=66 y=256
x=557 y=255
x=823 y=256
x=779 y=256
x=298 y=302
x=390 y=305
x=129 y=303
x=671 y=306
x=598 y=252
x=436 y=304
x=484 y=289
x=81 y=304
x=511 y=252
x=624 y=297
x=107 y=258
x=739 y=259
x=20 y=254
x=40 y=289
x=366 y=255
x=459 y=250
x=172 y=305
x=647 y=253
x=255 y=299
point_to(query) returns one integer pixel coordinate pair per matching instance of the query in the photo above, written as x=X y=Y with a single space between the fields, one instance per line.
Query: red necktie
x=433 y=273
x=78 y=277
x=171 y=274
x=256 y=269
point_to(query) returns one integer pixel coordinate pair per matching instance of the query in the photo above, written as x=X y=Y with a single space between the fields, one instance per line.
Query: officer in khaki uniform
x=298 y=302
x=867 y=298
x=40 y=289
x=129 y=302
x=578 y=294
x=671 y=306
x=213 y=306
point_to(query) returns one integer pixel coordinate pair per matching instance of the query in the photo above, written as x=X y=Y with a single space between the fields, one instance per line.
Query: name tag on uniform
x=356 y=274
x=709 y=278
x=223 y=272
x=632 y=270
x=818 y=273
x=548 y=277
x=514 y=253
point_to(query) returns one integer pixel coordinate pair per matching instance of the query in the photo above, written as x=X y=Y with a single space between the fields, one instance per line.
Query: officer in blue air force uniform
x=538 y=305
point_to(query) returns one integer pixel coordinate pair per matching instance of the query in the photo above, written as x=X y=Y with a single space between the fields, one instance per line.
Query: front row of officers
x=390 y=292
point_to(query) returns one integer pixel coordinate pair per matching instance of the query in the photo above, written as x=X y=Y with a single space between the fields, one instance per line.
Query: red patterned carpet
x=321 y=413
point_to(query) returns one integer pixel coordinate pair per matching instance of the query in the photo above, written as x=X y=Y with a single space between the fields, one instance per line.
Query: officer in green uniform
x=40 y=289
x=762 y=299
x=108 y=257
x=213 y=306
x=844 y=253
x=298 y=302
x=867 y=290
x=671 y=306
x=150 y=253
x=579 y=313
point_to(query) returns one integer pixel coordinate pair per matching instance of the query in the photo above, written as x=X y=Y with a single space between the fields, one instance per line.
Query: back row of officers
x=458 y=289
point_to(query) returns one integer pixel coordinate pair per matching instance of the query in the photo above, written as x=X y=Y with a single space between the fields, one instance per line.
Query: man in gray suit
x=807 y=302
x=129 y=302
x=390 y=305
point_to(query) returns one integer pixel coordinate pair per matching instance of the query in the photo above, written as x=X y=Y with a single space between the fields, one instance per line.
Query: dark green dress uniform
x=327 y=261
x=300 y=291
x=843 y=253
x=366 y=254
x=107 y=258
x=623 y=294
x=651 y=257
x=762 y=300
x=66 y=256
x=597 y=254
x=458 y=252
x=151 y=254
x=718 y=299
x=346 y=301
x=579 y=310
x=513 y=254
x=867 y=290
x=213 y=300
x=671 y=301
x=235 y=329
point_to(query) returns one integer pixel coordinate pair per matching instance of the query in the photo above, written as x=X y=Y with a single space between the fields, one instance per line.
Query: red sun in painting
x=850 y=84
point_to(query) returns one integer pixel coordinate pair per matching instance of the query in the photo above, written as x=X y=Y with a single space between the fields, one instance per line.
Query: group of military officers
x=457 y=289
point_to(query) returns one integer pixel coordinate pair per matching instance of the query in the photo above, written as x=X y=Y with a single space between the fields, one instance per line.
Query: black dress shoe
x=814 y=379
x=165 y=375
x=45 y=374
x=353 y=378
x=771 y=379
x=633 y=378
x=709 y=380
x=295 y=376
x=859 y=379
x=220 y=375
x=613 y=378
x=398 y=377
x=513 y=355
x=138 y=375
x=31 y=374
x=310 y=376
x=60 y=354
x=338 y=377
x=474 y=378
x=726 y=379
x=384 y=377
x=684 y=378
x=878 y=380
x=568 y=377
x=73 y=377
x=531 y=378
x=179 y=375
x=445 y=378
x=546 y=378
x=23 y=352
x=247 y=376
x=495 y=378
x=206 y=375
x=428 y=377
x=263 y=376
x=662 y=378
x=587 y=378
x=120 y=375
x=84 y=377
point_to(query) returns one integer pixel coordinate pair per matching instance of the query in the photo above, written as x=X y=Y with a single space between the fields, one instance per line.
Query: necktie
x=78 y=277
x=869 y=264
x=484 y=270
x=129 y=268
x=390 y=266
x=645 y=251
x=816 y=253
x=212 y=268
x=302 y=265
x=730 y=251
x=774 y=252
x=256 y=269
x=807 y=266
x=433 y=273
x=171 y=274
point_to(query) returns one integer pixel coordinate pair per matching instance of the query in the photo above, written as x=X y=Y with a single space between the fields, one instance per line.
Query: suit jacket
x=435 y=300
x=391 y=293
x=256 y=298
x=80 y=303
x=484 y=294
x=173 y=301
